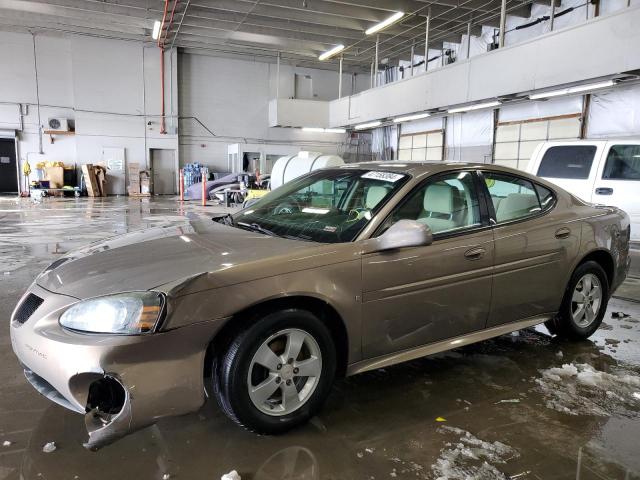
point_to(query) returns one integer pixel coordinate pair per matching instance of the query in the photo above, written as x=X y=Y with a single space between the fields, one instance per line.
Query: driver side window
x=447 y=204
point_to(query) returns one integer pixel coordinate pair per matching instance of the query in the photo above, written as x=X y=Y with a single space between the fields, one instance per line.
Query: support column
x=468 y=40
x=376 y=60
x=340 y=78
x=552 y=17
x=426 y=39
x=412 y=53
x=278 y=76
x=503 y=22
x=371 y=79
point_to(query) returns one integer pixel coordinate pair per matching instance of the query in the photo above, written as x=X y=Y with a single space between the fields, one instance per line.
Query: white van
x=597 y=171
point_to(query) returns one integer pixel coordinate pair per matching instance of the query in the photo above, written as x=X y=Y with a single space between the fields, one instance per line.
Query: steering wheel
x=286 y=208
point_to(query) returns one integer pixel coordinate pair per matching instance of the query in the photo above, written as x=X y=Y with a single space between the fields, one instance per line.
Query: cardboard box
x=90 y=180
x=55 y=176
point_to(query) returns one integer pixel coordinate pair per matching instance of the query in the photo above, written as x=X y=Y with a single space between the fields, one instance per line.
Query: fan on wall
x=58 y=124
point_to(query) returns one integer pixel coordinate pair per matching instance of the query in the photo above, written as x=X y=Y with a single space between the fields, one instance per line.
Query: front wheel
x=276 y=373
x=584 y=303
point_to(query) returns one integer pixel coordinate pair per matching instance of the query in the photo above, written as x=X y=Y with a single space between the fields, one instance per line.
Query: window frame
x=606 y=162
x=485 y=222
x=491 y=208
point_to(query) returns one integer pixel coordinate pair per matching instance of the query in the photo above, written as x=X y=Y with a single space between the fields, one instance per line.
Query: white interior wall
x=105 y=87
x=231 y=97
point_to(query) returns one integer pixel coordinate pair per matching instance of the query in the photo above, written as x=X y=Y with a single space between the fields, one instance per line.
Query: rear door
x=618 y=181
x=534 y=247
x=571 y=166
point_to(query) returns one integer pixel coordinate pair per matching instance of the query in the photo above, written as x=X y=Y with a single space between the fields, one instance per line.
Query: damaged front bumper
x=120 y=383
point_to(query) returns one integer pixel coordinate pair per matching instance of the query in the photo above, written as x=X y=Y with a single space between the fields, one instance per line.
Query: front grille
x=27 y=308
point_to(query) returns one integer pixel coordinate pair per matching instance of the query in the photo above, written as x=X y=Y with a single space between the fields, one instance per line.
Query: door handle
x=563 y=233
x=604 y=191
x=475 y=253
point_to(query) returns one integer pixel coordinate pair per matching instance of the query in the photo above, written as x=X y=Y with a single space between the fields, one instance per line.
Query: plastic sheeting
x=384 y=143
x=469 y=136
x=424 y=125
x=610 y=6
x=615 y=113
x=576 y=17
x=541 y=109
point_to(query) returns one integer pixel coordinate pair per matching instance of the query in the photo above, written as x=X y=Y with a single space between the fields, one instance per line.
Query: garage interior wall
x=231 y=98
x=108 y=89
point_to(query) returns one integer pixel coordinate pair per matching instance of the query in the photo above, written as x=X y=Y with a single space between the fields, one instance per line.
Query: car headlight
x=125 y=313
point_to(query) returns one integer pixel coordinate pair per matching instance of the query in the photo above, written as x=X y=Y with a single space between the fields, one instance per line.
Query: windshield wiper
x=226 y=219
x=255 y=227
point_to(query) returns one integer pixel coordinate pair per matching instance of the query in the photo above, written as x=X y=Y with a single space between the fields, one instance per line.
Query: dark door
x=8 y=167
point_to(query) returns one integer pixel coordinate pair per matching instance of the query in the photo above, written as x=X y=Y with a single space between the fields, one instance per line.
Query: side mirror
x=403 y=233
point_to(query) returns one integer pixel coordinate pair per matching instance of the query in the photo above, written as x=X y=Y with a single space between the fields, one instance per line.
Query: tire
x=573 y=320
x=239 y=370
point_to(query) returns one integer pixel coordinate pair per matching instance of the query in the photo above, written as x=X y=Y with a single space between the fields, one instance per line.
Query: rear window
x=623 y=163
x=568 y=161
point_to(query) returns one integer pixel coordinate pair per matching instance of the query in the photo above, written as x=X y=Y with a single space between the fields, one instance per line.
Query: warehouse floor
x=523 y=405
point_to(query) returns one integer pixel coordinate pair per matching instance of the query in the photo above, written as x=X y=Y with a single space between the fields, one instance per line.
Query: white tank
x=292 y=166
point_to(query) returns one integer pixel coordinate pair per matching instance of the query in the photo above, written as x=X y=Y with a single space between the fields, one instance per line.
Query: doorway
x=8 y=166
x=164 y=171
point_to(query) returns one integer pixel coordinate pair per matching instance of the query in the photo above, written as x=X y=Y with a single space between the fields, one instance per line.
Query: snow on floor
x=470 y=458
x=580 y=389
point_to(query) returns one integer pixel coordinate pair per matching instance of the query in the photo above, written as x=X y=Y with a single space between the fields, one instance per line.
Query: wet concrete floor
x=522 y=406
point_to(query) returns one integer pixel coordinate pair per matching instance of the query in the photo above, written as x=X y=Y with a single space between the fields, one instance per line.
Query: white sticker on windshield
x=383 y=176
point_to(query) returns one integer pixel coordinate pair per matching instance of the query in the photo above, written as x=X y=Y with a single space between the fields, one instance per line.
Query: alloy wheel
x=586 y=300
x=284 y=372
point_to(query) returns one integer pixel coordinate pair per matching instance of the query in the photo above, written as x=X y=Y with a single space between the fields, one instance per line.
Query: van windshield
x=567 y=161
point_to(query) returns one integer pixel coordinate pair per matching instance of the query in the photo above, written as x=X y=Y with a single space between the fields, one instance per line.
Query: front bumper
x=159 y=374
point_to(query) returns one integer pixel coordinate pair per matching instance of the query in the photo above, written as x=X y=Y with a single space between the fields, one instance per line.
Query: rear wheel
x=584 y=303
x=276 y=373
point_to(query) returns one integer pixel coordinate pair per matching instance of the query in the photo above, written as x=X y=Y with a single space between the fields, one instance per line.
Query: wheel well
x=604 y=260
x=320 y=308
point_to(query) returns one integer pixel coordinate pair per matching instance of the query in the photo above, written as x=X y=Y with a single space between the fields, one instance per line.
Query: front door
x=415 y=296
x=618 y=180
x=533 y=248
x=163 y=166
x=8 y=166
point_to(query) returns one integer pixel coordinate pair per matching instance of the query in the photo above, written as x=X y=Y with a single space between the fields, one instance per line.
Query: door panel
x=420 y=295
x=618 y=181
x=164 y=172
x=533 y=249
x=415 y=296
x=8 y=167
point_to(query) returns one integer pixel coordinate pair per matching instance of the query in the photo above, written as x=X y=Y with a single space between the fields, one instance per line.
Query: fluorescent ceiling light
x=569 y=90
x=364 y=126
x=156 y=29
x=330 y=53
x=323 y=130
x=477 y=106
x=385 y=23
x=408 y=118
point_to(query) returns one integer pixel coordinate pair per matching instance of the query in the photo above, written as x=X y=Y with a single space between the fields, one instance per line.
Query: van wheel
x=276 y=373
x=584 y=303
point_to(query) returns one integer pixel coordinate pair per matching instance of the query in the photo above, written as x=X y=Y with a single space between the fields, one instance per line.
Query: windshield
x=327 y=206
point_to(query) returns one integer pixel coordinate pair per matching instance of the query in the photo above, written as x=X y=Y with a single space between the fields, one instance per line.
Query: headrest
x=515 y=205
x=375 y=194
x=439 y=198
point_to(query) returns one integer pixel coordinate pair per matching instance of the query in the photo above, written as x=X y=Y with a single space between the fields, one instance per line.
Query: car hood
x=165 y=255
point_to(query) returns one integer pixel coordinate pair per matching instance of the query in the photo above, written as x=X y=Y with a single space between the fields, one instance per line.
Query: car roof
x=421 y=168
